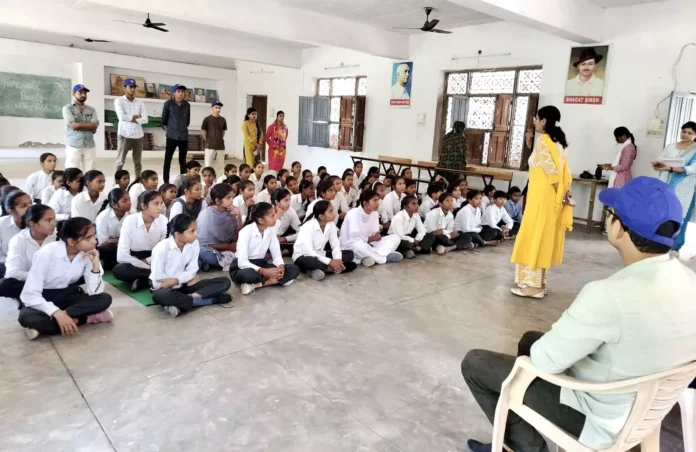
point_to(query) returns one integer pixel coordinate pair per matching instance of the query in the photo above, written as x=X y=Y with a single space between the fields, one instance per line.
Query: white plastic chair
x=687 y=404
x=655 y=396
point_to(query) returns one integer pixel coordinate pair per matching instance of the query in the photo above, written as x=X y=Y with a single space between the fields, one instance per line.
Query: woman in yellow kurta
x=253 y=136
x=548 y=213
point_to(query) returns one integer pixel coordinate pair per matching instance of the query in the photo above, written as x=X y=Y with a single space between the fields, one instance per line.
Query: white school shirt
x=427 y=205
x=341 y=202
x=358 y=226
x=258 y=183
x=108 y=225
x=402 y=225
x=334 y=203
x=436 y=219
x=221 y=179
x=251 y=244
x=311 y=242
x=494 y=215
x=21 y=252
x=351 y=196
x=36 y=182
x=135 y=191
x=357 y=180
x=468 y=219
x=264 y=196
x=82 y=206
x=8 y=229
x=382 y=211
x=61 y=202
x=178 y=208
x=288 y=220
x=125 y=110
x=392 y=204
x=134 y=237
x=458 y=202
x=168 y=261
x=485 y=202
x=296 y=203
x=46 y=194
x=51 y=269
x=238 y=201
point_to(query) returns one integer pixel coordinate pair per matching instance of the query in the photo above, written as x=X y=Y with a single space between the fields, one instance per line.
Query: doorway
x=260 y=103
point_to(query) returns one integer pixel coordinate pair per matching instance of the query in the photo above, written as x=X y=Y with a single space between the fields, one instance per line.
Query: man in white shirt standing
x=637 y=322
x=131 y=117
x=81 y=124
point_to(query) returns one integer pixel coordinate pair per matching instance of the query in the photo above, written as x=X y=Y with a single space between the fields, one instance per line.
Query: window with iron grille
x=496 y=106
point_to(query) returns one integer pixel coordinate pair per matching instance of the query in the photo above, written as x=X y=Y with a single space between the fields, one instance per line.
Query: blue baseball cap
x=216 y=102
x=176 y=87
x=129 y=82
x=77 y=88
x=643 y=205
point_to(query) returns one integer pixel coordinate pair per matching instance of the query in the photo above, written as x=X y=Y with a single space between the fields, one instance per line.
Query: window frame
x=331 y=97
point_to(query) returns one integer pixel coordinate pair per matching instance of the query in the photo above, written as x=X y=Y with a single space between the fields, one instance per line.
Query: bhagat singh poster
x=402 y=74
x=587 y=70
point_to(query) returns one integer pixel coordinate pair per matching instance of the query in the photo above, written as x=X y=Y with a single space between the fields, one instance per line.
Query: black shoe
x=206 y=267
x=223 y=298
x=477 y=446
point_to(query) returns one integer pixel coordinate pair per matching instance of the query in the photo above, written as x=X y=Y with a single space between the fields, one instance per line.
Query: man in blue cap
x=639 y=321
x=132 y=115
x=81 y=122
x=176 y=118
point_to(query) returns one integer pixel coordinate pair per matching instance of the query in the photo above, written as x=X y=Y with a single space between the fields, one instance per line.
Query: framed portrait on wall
x=402 y=76
x=199 y=94
x=151 y=90
x=211 y=95
x=164 y=92
x=117 y=88
x=587 y=73
x=188 y=95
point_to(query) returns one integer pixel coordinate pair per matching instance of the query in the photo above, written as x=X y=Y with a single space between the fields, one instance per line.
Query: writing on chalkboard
x=33 y=96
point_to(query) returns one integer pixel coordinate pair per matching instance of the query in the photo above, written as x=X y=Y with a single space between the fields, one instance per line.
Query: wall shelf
x=157 y=101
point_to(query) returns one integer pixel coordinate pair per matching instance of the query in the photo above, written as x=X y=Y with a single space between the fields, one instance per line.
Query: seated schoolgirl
x=270 y=184
x=378 y=188
x=358 y=175
x=88 y=203
x=310 y=253
x=232 y=181
x=193 y=169
x=168 y=192
x=514 y=209
x=244 y=172
x=430 y=201
x=392 y=200
x=349 y=192
x=56 y=183
x=407 y=174
x=207 y=182
x=122 y=180
x=61 y=201
x=174 y=283
x=388 y=182
x=307 y=175
x=487 y=196
x=288 y=224
x=139 y=235
x=229 y=170
x=245 y=199
x=282 y=178
x=391 y=171
x=251 y=269
x=300 y=201
x=495 y=222
x=257 y=177
x=148 y=180
x=218 y=226
x=53 y=301
x=38 y=229
x=361 y=234
x=468 y=220
x=373 y=174
x=327 y=192
x=39 y=180
x=292 y=185
x=411 y=188
x=458 y=199
x=191 y=202
x=109 y=221
x=440 y=223
x=408 y=226
x=464 y=189
x=319 y=176
x=296 y=169
x=14 y=206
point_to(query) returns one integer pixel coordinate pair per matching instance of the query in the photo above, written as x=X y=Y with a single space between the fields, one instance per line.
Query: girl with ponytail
x=288 y=224
x=174 y=282
x=309 y=252
x=251 y=269
x=38 y=228
x=300 y=201
x=14 y=205
x=191 y=202
x=147 y=180
x=88 y=203
x=245 y=200
x=270 y=184
x=327 y=192
x=626 y=152
x=109 y=221
x=61 y=201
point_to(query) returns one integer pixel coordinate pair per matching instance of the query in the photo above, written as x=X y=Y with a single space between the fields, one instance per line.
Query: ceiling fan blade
x=158 y=24
x=445 y=32
x=433 y=23
x=405 y=28
x=125 y=22
x=160 y=29
x=100 y=40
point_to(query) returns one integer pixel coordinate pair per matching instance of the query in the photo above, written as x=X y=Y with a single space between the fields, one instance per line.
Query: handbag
x=586 y=175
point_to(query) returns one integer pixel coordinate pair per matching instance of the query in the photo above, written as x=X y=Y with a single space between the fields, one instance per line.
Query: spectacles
x=610 y=211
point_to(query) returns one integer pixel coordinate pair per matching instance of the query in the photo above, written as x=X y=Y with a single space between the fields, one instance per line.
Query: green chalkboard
x=33 y=96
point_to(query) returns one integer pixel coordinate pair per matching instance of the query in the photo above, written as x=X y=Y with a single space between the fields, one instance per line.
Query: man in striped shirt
x=131 y=117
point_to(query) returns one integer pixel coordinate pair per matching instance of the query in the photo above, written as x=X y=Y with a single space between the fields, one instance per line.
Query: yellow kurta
x=250 y=132
x=541 y=239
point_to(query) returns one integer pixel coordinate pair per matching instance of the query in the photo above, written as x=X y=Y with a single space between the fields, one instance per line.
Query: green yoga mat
x=143 y=296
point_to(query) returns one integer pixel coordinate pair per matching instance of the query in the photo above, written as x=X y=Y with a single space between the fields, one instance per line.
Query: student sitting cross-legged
x=496 y=223
x=218 y=226
x=190 y=200
x=310 y=251
x=288 y=224
x=270 y=184
x=361 y=234
x=139 y=235
x=173 y=281
x=251 y=269
x=430 y=200
x=244 y=201
x=148 y=180
x=109 y=221
x=14 y=206
x=54 y=302
x=408 y=226
x=61 y=201
x=300 y=201
x=88 y=203
x=38 y=228
x=468 y=220
x=40 y=180
x=56 y=184
x=193 y=170
x=229 y=170
x=440 y=223
x=514 y=209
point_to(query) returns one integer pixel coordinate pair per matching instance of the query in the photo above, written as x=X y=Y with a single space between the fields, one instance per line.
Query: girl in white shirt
x=54 y=302
x=458 y=199
x=310 y=253
x=257 y=177
x=408 y=226
x=326 y=191
x=292 y=185
x=57 y=182
x=288 y=224
x=468 y=220
x=148 y=180
x=300 y=201
x=430 y=201
x=208 y=180
x=61 y=201
x=122 y=180
x=296 y=169
x=88 y=203
x=139 y=235
x=245 y=200
x=191 y=202
x=168 y=192
x=14 y=206
x=251 y=269
x=440 y=223
x=38 y=181
x=358 y=176
x=340 y=199
x=407 y=174
x=392 y=200
x=175 y=284
x=487 y=197
x=496 y=223
x=361 y=234
x=282 y=178
x=38 y=229
x=349 y=192
x=109 y=223
x=270 y=184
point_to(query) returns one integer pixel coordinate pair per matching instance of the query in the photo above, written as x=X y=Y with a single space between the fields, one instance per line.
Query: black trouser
x=484 y=372
x=309 y=263
x=426 y=244
x=251 y=276
x=107 y=253
x=129 y=272
x=488 y=233
x=515 y=228
x=461 y=242
x=11 y=288
x=2 y=270
x=73 y=300
x=169 y=149
x=181 y=297
x=475 y=238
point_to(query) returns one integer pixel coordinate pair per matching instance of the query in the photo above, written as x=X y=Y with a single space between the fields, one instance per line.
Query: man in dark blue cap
x=639 y=321
x=176 y=118
x=81 y=122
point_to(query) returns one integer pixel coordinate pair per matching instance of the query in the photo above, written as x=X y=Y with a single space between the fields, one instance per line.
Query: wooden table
x=593 y=183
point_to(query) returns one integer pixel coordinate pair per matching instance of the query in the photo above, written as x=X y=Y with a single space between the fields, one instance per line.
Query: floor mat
x=143 y=296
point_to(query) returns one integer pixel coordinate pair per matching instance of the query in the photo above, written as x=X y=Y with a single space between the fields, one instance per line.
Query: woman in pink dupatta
x=276 y=137
x=626 y=151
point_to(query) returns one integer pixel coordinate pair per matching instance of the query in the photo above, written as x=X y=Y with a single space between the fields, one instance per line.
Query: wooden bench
x=397 y=160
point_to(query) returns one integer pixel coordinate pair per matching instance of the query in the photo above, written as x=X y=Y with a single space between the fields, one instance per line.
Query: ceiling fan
x=90 y=39
x=429 y=25
x=148 y=24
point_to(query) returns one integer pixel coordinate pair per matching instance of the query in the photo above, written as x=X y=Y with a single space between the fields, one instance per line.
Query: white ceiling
x=619 y=3
x=387 y=14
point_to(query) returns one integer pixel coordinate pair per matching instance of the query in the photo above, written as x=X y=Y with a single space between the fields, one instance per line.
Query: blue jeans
x=207 y=256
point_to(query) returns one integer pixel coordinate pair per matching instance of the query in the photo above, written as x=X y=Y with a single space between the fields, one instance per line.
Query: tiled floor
x=361 y=362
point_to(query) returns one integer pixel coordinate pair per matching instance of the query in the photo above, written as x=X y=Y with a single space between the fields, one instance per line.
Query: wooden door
x=475 y=139
x=528 y=146
x=345 y=125
x=501 y=131
x=260 y=103
x=359 y=131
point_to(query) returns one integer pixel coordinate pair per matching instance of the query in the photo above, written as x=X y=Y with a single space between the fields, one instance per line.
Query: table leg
x=590 y=212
